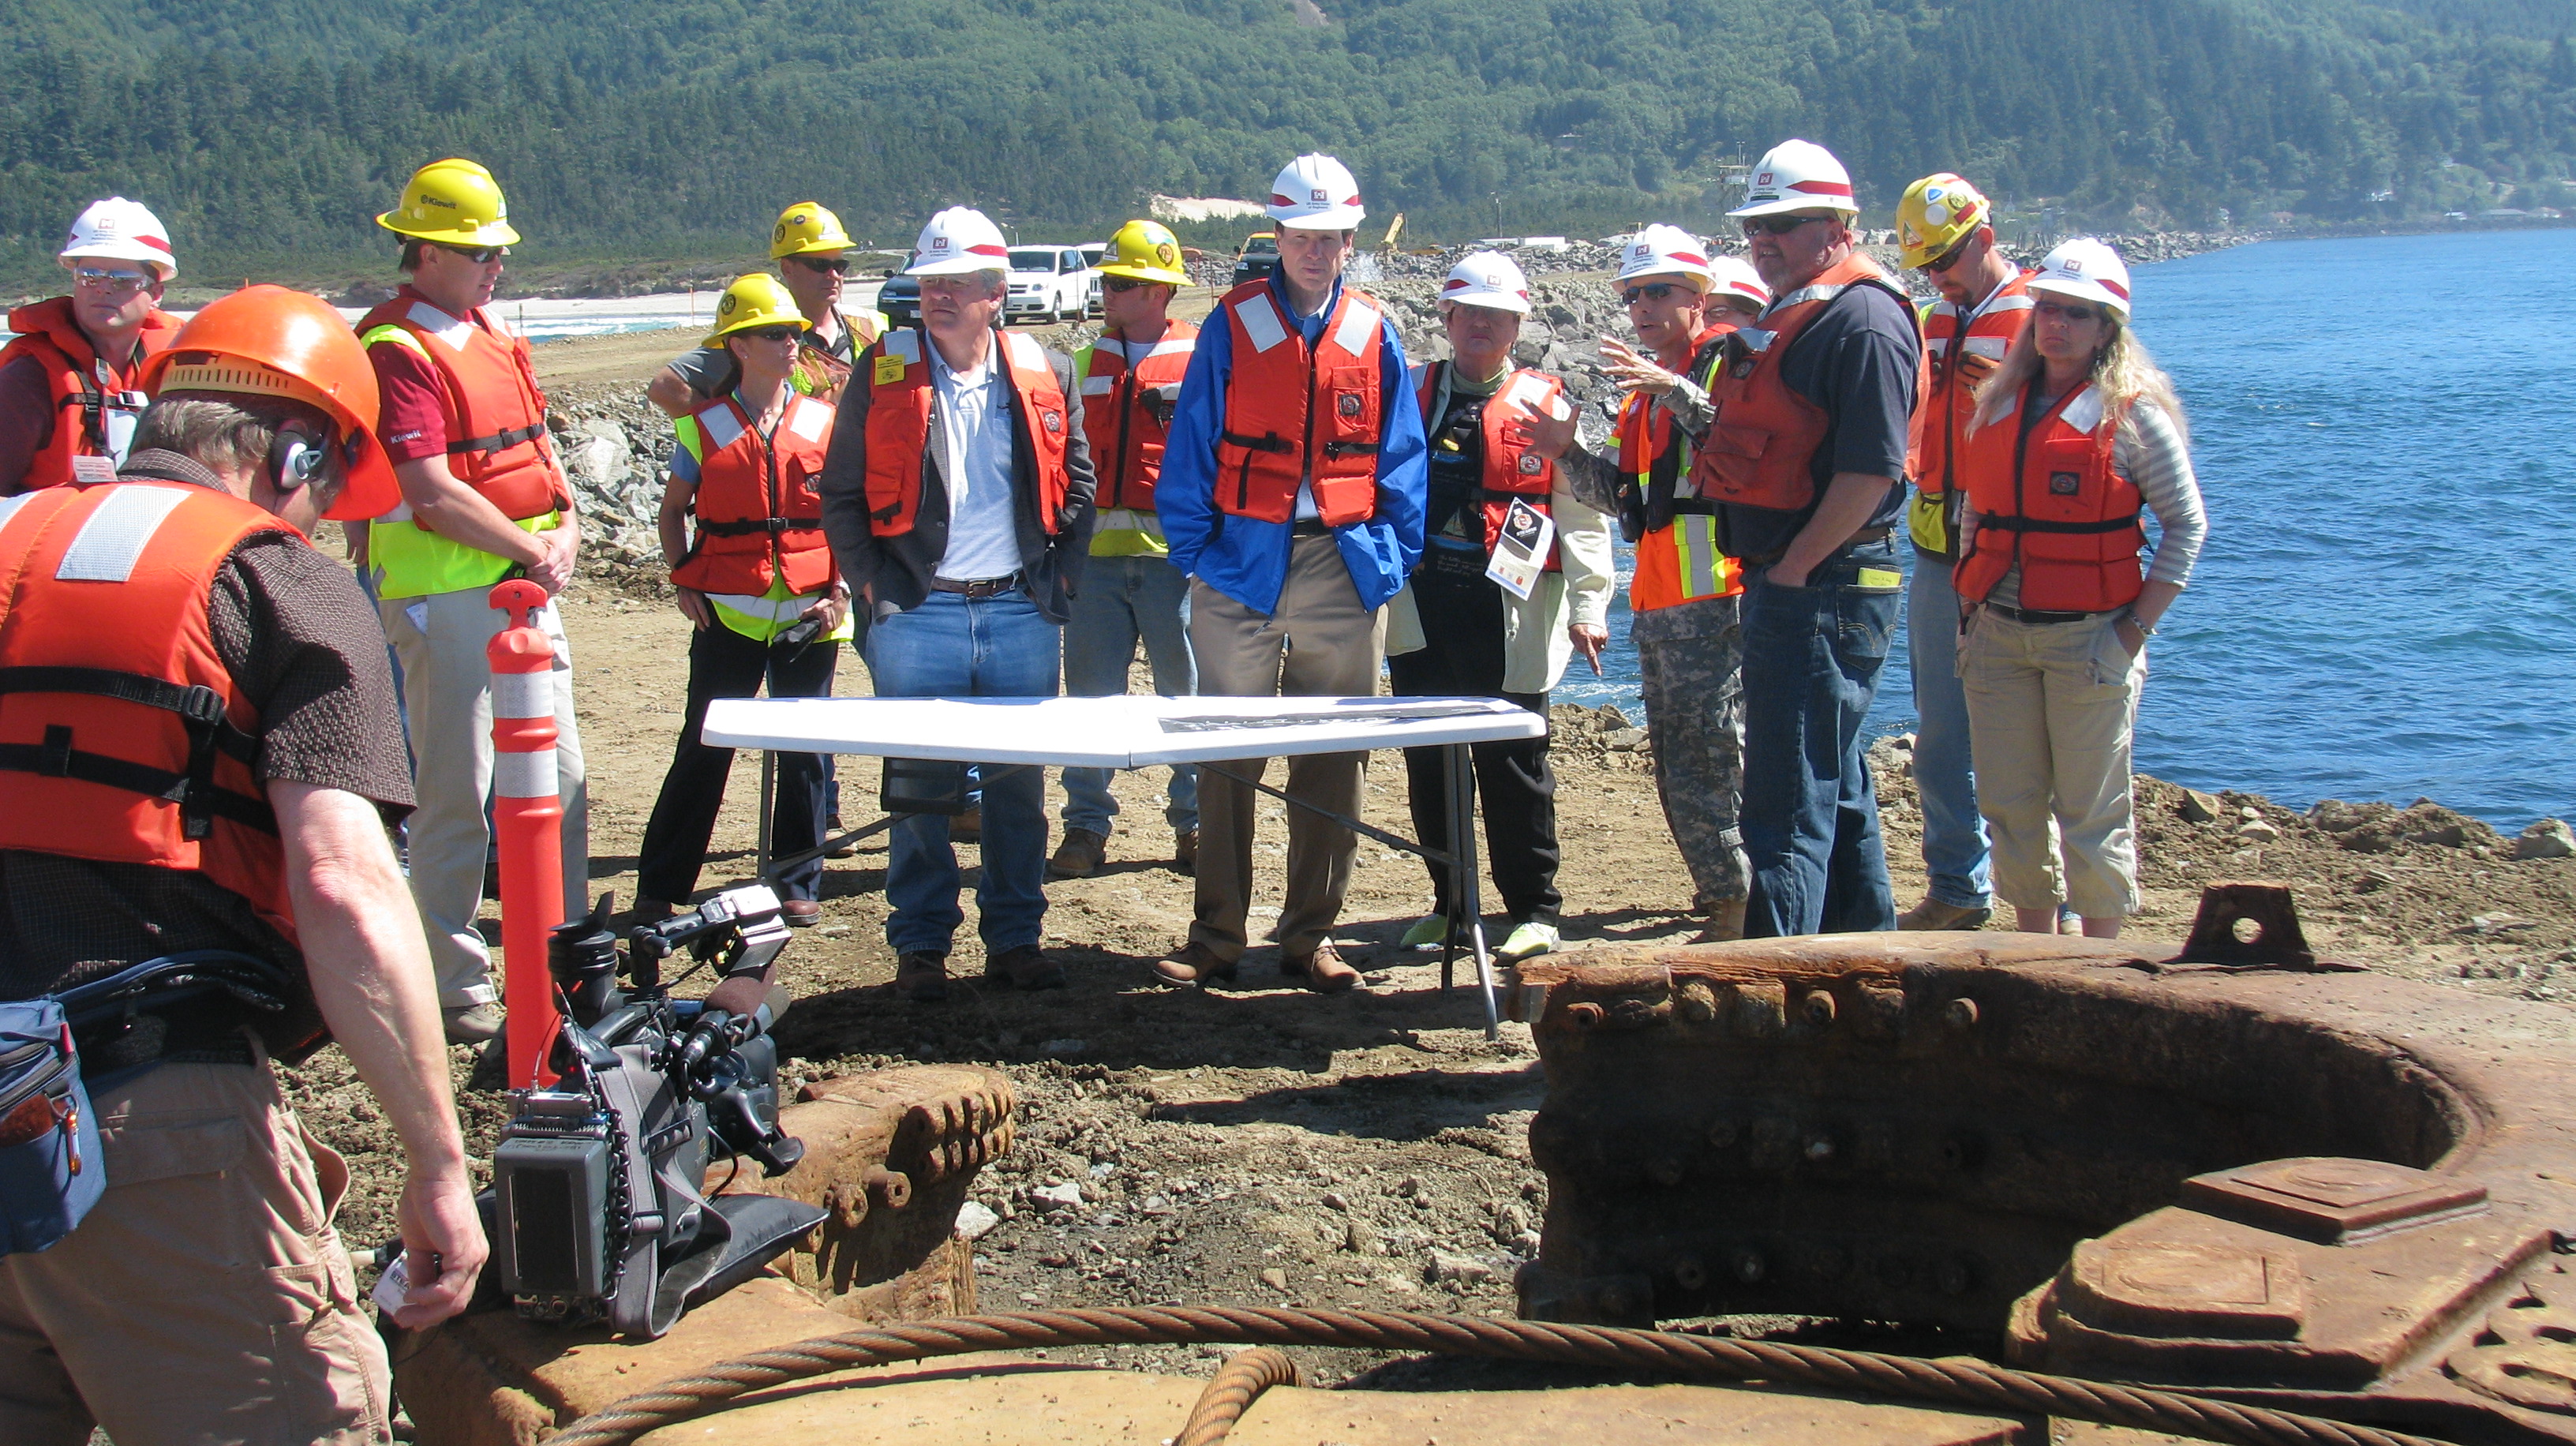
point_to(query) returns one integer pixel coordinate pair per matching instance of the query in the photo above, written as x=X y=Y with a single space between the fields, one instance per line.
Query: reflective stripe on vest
x=497 y=446
x=900 y=403
x=2050 y=499
x=1761 y=449
x=1294 y=418
x=123 y=737
x=1679 y=561
x=1955 y=366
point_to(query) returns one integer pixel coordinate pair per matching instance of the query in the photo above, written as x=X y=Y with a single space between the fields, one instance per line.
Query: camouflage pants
x=1694 y=690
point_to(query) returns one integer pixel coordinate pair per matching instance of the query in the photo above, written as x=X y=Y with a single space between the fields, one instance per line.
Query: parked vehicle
x=1092 y=251
x=1048 y=283
x=1258 y=258
x=900 y=298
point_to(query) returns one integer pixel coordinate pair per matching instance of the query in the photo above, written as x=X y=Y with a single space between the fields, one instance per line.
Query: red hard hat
x=272 y=342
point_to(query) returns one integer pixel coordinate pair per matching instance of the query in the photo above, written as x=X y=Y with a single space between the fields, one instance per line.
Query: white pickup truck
x=1048 y=283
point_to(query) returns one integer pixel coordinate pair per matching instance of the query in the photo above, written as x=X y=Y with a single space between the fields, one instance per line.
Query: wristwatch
x=2145 y=629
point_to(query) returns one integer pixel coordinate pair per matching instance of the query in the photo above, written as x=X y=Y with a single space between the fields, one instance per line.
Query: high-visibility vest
x=123 y=737
x=1678 y=557
x=1956 y=365
x=1511 y=469
x=899 y=410
x=1297 y=416
x=1127 y=437
x=1761 y=449
x=2047 y=496
x=820 y=374
x=497 y=445
x=759 y=506
x=94 y=400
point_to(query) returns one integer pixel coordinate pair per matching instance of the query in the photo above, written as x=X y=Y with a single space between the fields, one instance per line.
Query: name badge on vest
x=87 y=469
x=2064 y=484
x=889 y=370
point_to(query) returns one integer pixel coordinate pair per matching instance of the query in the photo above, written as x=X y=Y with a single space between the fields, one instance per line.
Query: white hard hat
x=1316 y=193
x=959 y=240
x=1490 y=280
x=1798 y=176
x=2086 y=270
x=1664 y=251
x=117 y=229
x=1736 y=277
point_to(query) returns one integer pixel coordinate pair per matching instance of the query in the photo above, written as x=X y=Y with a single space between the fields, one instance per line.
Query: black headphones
x=297 y=458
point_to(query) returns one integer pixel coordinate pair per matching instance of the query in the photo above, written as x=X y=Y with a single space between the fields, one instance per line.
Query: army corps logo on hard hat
x=1762 y=180
x=1318 y=197
x=938 y=243
x=2071 y=265
x=1350 y=405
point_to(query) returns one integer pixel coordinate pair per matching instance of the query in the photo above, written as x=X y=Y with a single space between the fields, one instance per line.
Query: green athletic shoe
x=1428 y=932
x=1528 y=942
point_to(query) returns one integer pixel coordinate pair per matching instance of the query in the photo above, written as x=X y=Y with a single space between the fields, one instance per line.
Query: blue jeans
x=949 y=647
x=1954 y=837
x=1125 y=599
x=1811 y=661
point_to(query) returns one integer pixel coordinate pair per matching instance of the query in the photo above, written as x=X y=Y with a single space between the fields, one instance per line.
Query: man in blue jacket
x=1292 y=497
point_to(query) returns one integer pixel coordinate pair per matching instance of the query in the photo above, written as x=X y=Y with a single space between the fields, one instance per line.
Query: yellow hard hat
x=1145 y=251
x=1937 y=213
x=454 y=201
x=757 y=300
x=804 y=228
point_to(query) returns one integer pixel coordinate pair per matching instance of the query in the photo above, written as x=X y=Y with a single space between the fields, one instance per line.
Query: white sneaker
x=1427 y=932
x=1528 y=941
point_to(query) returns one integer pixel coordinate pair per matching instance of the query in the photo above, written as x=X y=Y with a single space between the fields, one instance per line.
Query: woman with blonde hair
x=2075 y=436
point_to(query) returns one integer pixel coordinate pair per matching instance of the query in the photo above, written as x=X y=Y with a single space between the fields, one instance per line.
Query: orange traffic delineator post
x=527 y=820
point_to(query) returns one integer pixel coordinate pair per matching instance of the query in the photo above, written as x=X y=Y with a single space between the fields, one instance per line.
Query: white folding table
x=1143 y=731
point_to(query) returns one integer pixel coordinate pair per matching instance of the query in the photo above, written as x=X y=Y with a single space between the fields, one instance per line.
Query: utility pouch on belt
x=51 y=1170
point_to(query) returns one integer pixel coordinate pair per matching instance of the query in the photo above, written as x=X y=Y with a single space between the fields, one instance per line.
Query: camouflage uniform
x=1691 y=658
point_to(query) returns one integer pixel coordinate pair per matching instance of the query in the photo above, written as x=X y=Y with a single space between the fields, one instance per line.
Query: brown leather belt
x=982 y=587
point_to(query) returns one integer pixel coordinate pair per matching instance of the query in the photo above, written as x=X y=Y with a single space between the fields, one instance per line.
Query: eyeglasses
x=1777 y=225
x=1651 y=291
x=837 y=265
x=100 y=279
x=2071 y=313
x=770 y=333
x=479 y=255
x=1951 y=257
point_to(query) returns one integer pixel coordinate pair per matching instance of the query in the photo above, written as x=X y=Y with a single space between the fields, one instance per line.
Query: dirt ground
x=1260 y=1144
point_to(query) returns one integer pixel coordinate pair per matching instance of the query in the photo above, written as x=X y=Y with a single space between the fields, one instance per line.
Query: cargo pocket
x=2113 y=666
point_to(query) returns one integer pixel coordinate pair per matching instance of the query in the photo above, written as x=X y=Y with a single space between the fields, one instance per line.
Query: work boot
x=1932 y=914
x=1026 y=967
x=1725 y=923
x=1322 y=971
x=472 y=1023
x=1528 y=941
x=922 y=978
x=832 y=829
x=1080 y=855
x=1185 y=851
x=1193 y=963
x=800 y=913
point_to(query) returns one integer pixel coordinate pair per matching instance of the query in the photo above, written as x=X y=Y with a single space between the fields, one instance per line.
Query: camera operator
x=204 y=1297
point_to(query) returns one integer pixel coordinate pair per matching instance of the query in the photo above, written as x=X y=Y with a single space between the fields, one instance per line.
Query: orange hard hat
x=269 y=341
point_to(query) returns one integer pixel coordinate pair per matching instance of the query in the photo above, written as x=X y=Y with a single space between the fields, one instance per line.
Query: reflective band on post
x=523 y=695
x=524 y=775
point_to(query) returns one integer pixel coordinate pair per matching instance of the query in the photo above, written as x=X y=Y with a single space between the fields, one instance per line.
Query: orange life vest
x=759 y=501
x=1678 y=558
x=1127 y=437
x=1297 y=416
x=2047 y=496
x=89 y=394
x=899 y=407
x=1956 y=366
x=1511 y=469
x=1761 y=450
x=123 y=738
x=497 y=442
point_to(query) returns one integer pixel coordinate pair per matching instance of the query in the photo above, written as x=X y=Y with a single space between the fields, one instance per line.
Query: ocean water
x=2385 y=435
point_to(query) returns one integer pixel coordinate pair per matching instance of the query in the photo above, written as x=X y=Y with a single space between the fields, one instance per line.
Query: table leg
x=1464 y=888
x=768 y=797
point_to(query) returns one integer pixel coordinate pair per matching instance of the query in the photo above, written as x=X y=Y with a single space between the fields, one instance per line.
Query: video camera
x=599 y=1206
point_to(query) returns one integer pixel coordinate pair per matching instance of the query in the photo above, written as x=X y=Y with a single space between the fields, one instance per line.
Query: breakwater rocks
x=616 y=448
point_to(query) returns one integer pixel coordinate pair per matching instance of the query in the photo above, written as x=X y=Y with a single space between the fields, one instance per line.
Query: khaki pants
x=2050 y=711
x=447 y=705
x=1321 y=643
x=206 y=1300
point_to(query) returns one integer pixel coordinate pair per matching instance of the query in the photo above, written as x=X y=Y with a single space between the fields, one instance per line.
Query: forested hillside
x=264 y=128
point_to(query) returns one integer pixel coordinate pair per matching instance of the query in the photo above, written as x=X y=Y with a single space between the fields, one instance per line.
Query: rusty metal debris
x=2341 y=1193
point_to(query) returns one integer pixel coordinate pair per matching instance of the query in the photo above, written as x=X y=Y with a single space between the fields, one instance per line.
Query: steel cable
x=1953 y=1381
x=1238 y=1384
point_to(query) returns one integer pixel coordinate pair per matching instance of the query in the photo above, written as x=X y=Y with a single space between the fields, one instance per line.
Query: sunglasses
x=1124 y=283
x=2071 y=313
x=97 y=279
x=1951 y=257
x=1651 y=291
x=479 y=255
x=837 y=265
x=770 y=333
x=1778 y=225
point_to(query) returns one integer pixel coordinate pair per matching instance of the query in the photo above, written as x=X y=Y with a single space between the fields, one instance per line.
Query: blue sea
x=2385 y=433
